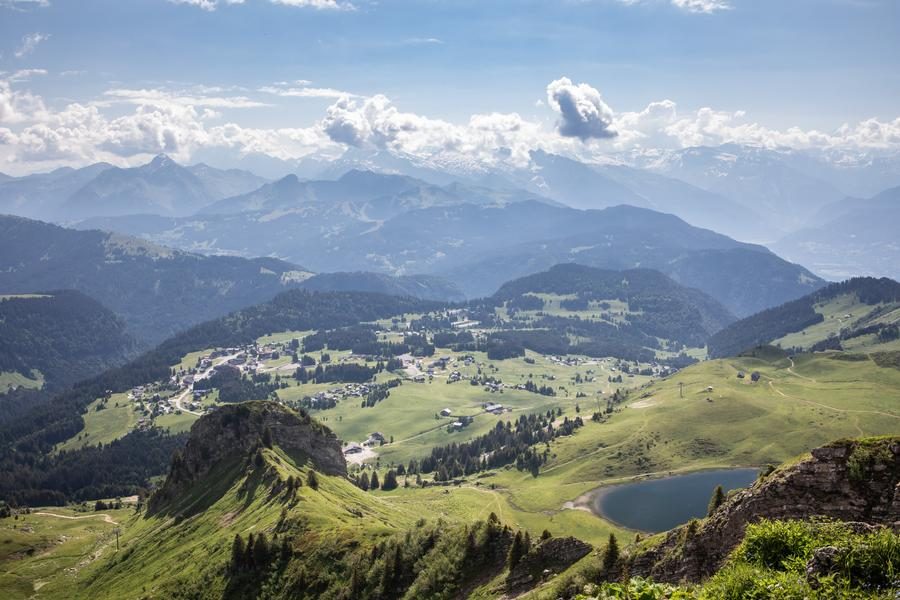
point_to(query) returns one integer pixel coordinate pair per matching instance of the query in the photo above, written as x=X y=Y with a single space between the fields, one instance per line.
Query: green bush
x=787 y=545
x=872 y=561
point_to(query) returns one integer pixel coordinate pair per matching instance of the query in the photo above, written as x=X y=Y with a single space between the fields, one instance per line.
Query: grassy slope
x=41 y=554
x=105 y=425
x=791 y=409
x=161 y=555
x=835 y=312
x=12 y=379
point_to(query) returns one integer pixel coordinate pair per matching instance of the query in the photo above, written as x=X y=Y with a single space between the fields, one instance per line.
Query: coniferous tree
x=312 y=480
x=611 y=552
x=374 y=484
x=716 y=501
x=260 y=551
x=237 y=553
x=248 y=551
x=364 y=482
x=516 y=551
x=390 y=481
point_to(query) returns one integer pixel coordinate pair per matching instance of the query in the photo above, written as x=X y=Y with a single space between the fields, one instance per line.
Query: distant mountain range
x=850 y=237
x=160 y=187
x=476 y=237
x=159 y=291
x=385 y=212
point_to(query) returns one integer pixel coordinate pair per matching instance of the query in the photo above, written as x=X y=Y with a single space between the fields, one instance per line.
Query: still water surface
x=661 y=504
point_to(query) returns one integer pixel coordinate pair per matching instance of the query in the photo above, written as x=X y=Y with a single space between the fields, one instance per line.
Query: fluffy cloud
x=124 y=126
x=583 y=113
x=18 y=106
x=29 y=43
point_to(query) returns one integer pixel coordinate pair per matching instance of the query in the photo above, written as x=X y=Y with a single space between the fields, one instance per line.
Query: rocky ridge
x=848 y=480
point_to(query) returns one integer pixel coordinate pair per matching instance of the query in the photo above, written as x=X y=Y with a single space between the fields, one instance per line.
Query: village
x=192 y=388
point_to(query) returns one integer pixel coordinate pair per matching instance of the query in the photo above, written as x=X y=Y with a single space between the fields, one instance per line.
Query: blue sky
x=807 y=64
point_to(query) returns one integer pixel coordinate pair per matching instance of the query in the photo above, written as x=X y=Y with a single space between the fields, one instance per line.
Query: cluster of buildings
x=336 y=394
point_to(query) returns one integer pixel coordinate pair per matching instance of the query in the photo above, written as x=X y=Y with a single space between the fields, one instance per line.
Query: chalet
x=456 y=425
x=446 y=412
x=353 y=448
x=491 y=407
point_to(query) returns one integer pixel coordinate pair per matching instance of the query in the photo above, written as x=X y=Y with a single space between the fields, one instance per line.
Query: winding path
x=105 y=517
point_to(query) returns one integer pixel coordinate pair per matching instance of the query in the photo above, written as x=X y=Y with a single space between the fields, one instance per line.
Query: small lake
x=656 y=505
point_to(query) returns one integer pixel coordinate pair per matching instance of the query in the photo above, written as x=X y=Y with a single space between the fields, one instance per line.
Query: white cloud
x=18 y=106
x=23 y=4
x=125 y=126
x=583 y=113
x=26 y=74
x=29 y=43
x=304 y=92
x=702 y=6
x=693 y=6
x=157 y=97
x=211 y=5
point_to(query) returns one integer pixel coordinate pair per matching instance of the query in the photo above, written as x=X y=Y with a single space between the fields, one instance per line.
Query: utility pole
x=117 y=539
x=681 y=389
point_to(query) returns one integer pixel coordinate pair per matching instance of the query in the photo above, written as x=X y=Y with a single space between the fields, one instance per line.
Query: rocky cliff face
x=235 y=431
x=856 y=480
x=548 y=558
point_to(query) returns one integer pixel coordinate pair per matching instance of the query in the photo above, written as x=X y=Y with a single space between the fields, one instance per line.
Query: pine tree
x=374 y=484
x=716 y=501
x=546 y=535
x=516 y=551
x=312 y=480
x=364 y=482
x=237 y=553
x=248 y=552
x=261 y=551
x=267 y=437
x=611 y=553
x=390 y=481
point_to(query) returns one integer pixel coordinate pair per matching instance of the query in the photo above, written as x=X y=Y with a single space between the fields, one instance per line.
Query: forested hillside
x=662 y=307
x=64 y=336
x=796 y=316
x=157 y=291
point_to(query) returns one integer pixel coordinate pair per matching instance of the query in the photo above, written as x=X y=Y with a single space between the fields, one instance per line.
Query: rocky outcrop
x=551 y=556
x=849 y=480
x=233 y=432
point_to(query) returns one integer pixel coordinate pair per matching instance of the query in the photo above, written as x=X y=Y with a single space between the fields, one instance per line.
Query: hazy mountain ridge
x=159 y=291
x=851 y=237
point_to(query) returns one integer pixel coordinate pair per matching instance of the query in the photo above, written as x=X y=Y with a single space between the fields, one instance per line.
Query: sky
x=445 y=80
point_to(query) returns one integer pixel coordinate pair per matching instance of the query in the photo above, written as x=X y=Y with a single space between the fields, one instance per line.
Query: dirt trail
x=105 y=517
x=825 y=406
